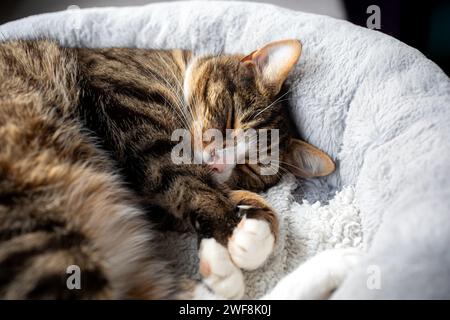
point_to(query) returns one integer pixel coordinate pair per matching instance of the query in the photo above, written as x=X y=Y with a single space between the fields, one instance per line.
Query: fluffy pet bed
x=377 y=106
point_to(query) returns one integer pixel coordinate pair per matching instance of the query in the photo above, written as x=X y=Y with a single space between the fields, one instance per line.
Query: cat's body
x=61 y=201
x=85 y=161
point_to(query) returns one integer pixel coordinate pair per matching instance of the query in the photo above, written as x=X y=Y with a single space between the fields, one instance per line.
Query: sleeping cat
x=86 y=171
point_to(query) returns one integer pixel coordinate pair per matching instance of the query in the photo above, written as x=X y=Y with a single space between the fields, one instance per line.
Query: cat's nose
x=217 y=167
x=214 y=161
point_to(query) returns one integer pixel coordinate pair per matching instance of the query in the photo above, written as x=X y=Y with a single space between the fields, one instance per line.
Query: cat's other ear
x=274 y=61
x=306 y=161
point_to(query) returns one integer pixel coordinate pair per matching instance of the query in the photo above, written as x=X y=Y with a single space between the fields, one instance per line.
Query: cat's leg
x=218 y=271
x=253 y=240
x=318 y=277
x=204 y=206
x=251 y=243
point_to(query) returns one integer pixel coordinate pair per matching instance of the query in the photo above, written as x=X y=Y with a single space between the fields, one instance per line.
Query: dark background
x=424 y=25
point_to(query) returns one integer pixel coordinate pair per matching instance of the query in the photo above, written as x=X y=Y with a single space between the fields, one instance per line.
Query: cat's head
x=246 y=94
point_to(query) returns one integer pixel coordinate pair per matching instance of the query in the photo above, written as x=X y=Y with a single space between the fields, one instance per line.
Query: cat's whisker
x=179 y=103
x=182 y=119
x=292 y=87
x=181 y=99
x=289 y=164
x=272 y=104
x=279 y=171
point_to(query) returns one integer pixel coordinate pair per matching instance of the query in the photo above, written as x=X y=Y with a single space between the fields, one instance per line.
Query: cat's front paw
x=253 y=240
x=251 y=244
x=218 y=271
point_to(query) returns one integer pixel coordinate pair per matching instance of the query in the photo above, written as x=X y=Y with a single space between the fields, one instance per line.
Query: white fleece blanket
x=305 y=229
x=377 y=106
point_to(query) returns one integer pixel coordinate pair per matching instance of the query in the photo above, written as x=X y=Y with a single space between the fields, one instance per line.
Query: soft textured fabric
x=379 y=107
x=305 y=229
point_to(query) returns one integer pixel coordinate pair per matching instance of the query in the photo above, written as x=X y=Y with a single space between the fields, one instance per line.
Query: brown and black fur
x=129 y=100
x=85 y=161
x=60 y=202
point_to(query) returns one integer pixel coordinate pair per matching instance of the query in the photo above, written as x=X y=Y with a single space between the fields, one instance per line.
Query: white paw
x=251 y=243
x=331 y=267
x=317 y=277
x=218 y=271
x=338 y=263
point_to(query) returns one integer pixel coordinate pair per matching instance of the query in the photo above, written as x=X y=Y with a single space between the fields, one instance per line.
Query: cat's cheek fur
x=251 y=244
x=219 y=272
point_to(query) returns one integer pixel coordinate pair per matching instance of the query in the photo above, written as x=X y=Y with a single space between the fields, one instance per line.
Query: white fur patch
x=187 y=80
x=318 y=277
x=202 y=292
x=251 y=244
x=222 y=276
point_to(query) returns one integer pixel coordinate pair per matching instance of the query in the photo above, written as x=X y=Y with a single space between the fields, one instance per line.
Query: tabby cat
x=86 y=171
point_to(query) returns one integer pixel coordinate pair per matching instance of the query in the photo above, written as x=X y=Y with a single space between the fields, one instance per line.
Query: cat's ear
x=306 y=161
x=274 y=61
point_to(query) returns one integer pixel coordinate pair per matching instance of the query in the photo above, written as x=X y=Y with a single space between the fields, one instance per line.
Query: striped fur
x=85 y=167
x=60 y=202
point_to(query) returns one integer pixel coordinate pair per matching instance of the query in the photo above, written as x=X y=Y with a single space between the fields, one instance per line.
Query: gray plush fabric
x=379 y=107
